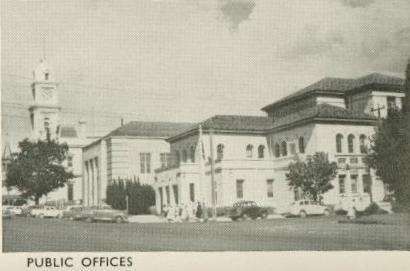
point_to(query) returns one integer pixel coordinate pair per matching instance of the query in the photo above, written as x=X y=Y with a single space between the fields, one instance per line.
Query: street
x=321 y=233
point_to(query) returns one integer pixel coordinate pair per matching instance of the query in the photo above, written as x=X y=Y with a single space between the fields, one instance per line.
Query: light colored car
x=105 y=213
x=13 y=210
x=47 y=212
x=303 y=208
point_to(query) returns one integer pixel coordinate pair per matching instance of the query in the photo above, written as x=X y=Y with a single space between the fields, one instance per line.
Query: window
x=269 y=186
x=175 y=190
x=391 y=103
x=70 y=161
x=219 y=152
x=70 y=192
x=367 y=183
x=239 y=189
x=342 y=188
x=261 y=151
x=363 y=146
x=339 y=140
x=354 y=183
x=277 y=150
x=292 y=148
x=184 y=156
x=249 y=151
x=145 y=162
x=168 y=195
x=301 y=143
x=46 y=75
x=284 y=149
x=177 y=158
x=164 y=159
x=192 y=154
x=192 y=192
x=350 y=143
x=354 y=160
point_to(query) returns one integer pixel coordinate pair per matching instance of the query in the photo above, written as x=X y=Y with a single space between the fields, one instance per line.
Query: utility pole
x=378 y=109
x=211 y=132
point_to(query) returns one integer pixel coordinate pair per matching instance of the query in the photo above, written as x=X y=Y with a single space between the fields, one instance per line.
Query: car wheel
x=326 y=212
x=71 y=218
x=89 y=219
x=302 y=214
x=264 y=215
x=119 y=220
x=41 y=216
x=60 y=216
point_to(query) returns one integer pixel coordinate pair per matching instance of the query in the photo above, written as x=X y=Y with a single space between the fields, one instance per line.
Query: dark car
x=75 y=212
x=105 y=213
x=247 y=209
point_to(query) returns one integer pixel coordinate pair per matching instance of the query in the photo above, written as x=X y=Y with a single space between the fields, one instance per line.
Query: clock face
x=47 y=93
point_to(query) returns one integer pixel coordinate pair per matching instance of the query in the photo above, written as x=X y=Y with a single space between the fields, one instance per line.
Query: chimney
x=82 y=128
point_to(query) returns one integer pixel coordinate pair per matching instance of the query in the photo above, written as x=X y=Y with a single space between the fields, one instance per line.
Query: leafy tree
x=37 y=169
x=390 y=153
x=313 y=176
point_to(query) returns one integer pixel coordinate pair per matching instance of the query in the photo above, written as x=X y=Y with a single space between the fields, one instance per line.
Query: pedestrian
x=198 y=212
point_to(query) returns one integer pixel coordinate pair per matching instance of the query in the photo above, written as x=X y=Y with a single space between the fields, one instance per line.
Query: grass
x=319 y=234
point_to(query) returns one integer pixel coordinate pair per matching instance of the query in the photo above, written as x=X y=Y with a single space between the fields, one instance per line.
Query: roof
x=68 y=132
x=230 y=123
x=150 y=129
x=324 y=112
x=340 y=86
x=237 y=123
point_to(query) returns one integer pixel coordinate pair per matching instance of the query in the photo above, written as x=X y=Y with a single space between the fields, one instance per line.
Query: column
x=92 y=181
x=97 y=177
x=87 y=184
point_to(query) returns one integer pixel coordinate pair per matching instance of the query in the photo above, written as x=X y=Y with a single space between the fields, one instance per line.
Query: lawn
x=321 y=233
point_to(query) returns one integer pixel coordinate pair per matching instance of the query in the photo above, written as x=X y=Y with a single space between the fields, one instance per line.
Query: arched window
x=363 y=145
x=301 y=142
x=220 y=152
x=192 y=154
x=184 y=156
x=350 y=143
x=277 y=150
x=284 y=149
x=339 y=140
x=261 y=151
x=177 y=158
x=249 y=151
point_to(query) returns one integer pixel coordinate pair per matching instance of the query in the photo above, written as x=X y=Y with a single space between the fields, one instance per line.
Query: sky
x=186 y=60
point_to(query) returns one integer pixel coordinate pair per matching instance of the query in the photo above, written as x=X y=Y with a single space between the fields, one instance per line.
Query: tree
x=37 y=169
x=312 y=176
x=390 y=153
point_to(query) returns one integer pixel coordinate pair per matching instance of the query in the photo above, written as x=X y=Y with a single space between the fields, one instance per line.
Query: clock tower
x=45 y=111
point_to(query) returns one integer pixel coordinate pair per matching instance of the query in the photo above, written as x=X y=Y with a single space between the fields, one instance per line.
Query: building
x=131 y=151
x=336 y=116
x=45 y=119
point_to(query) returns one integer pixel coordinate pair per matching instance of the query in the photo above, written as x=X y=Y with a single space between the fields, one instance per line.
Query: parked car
x=47 y=212
x=14 y=210
x=6 y=213
x=75 y=212
x=104 y=213
x=303 y=208
x=247 y=209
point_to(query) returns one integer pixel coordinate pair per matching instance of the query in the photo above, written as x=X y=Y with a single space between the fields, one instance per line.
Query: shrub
x=340 y=212
x=372 y=209
x=140 y=197
x=400 y=208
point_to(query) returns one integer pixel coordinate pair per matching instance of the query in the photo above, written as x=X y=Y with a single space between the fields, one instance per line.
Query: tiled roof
x=237 y=123
x=343 y=85
x=68 y=131
x=150 y=129
x=323 y=111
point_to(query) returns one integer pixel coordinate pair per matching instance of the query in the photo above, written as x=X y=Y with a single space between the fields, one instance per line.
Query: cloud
x=357 y=3
x=236 y=11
